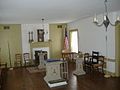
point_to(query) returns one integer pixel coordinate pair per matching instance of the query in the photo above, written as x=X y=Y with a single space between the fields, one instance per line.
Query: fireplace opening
x=37 y=56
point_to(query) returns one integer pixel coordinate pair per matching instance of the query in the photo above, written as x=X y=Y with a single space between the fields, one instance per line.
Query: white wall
x=25 y=28
x=92 y=37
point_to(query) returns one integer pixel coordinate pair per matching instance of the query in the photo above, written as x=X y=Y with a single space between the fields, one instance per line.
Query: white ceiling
x=53 y=11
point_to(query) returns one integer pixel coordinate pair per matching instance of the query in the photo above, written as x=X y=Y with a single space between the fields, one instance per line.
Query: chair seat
x=27 y=61
x=18 y=61
x=88 y=63
x=97 y=65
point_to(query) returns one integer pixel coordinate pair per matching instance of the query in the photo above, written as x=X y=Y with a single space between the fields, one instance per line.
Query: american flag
x=66 y=42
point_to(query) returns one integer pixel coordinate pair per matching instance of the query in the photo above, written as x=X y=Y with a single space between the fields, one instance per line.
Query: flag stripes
x=66 y=42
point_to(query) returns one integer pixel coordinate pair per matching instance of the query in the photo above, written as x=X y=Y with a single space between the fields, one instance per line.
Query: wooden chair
x=99 y=66
x=18 y=60
x=95 y=56
x=27 y=60
x=87 y=64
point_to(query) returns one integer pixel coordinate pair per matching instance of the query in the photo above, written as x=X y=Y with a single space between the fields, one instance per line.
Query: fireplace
x=36 y=51
x=37 y=56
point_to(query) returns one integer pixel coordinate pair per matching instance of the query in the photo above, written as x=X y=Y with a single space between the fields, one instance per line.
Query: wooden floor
x=21 y=79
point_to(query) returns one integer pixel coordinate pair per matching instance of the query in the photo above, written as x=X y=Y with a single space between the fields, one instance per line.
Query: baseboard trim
x=110 y=73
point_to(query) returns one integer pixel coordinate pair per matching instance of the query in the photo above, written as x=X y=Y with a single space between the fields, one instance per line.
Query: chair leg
x=102 y=70
x=25 y=64
x=91 y=68
x=21 y=63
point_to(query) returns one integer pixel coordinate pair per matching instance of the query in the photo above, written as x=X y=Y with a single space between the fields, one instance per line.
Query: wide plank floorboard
x=21 y=79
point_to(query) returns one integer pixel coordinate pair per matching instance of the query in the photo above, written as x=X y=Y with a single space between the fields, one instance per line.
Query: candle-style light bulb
x=95 y=19
x=105 y=18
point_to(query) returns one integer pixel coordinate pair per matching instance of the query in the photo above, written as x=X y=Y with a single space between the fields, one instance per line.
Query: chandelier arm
x=112 y=24
x=106 y=22
x=99 y=25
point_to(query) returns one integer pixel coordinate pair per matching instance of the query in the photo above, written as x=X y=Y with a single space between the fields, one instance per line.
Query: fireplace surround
x=37 y=61
x=37 y=47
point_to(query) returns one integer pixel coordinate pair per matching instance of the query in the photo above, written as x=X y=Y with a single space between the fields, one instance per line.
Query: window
x=74 y=40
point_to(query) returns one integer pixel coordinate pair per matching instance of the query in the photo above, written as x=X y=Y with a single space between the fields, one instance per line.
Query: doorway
x=74 y=40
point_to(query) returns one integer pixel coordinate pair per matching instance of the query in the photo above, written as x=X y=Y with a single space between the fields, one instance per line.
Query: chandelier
x=106 y=21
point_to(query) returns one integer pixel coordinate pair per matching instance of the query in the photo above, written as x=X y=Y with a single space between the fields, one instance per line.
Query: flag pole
x=66 y=41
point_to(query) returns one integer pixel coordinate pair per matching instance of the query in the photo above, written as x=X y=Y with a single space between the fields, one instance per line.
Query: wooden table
x=70 y=56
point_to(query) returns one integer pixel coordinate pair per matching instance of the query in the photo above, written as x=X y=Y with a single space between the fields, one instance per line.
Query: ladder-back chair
x=18 y=60
x=27 y=60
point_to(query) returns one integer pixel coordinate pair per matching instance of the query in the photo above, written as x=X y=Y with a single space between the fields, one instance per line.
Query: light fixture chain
x=43 y=23
x=106 y=40
x=105 y=3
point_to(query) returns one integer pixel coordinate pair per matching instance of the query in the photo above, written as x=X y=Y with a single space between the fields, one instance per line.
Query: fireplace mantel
x=40 y=44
